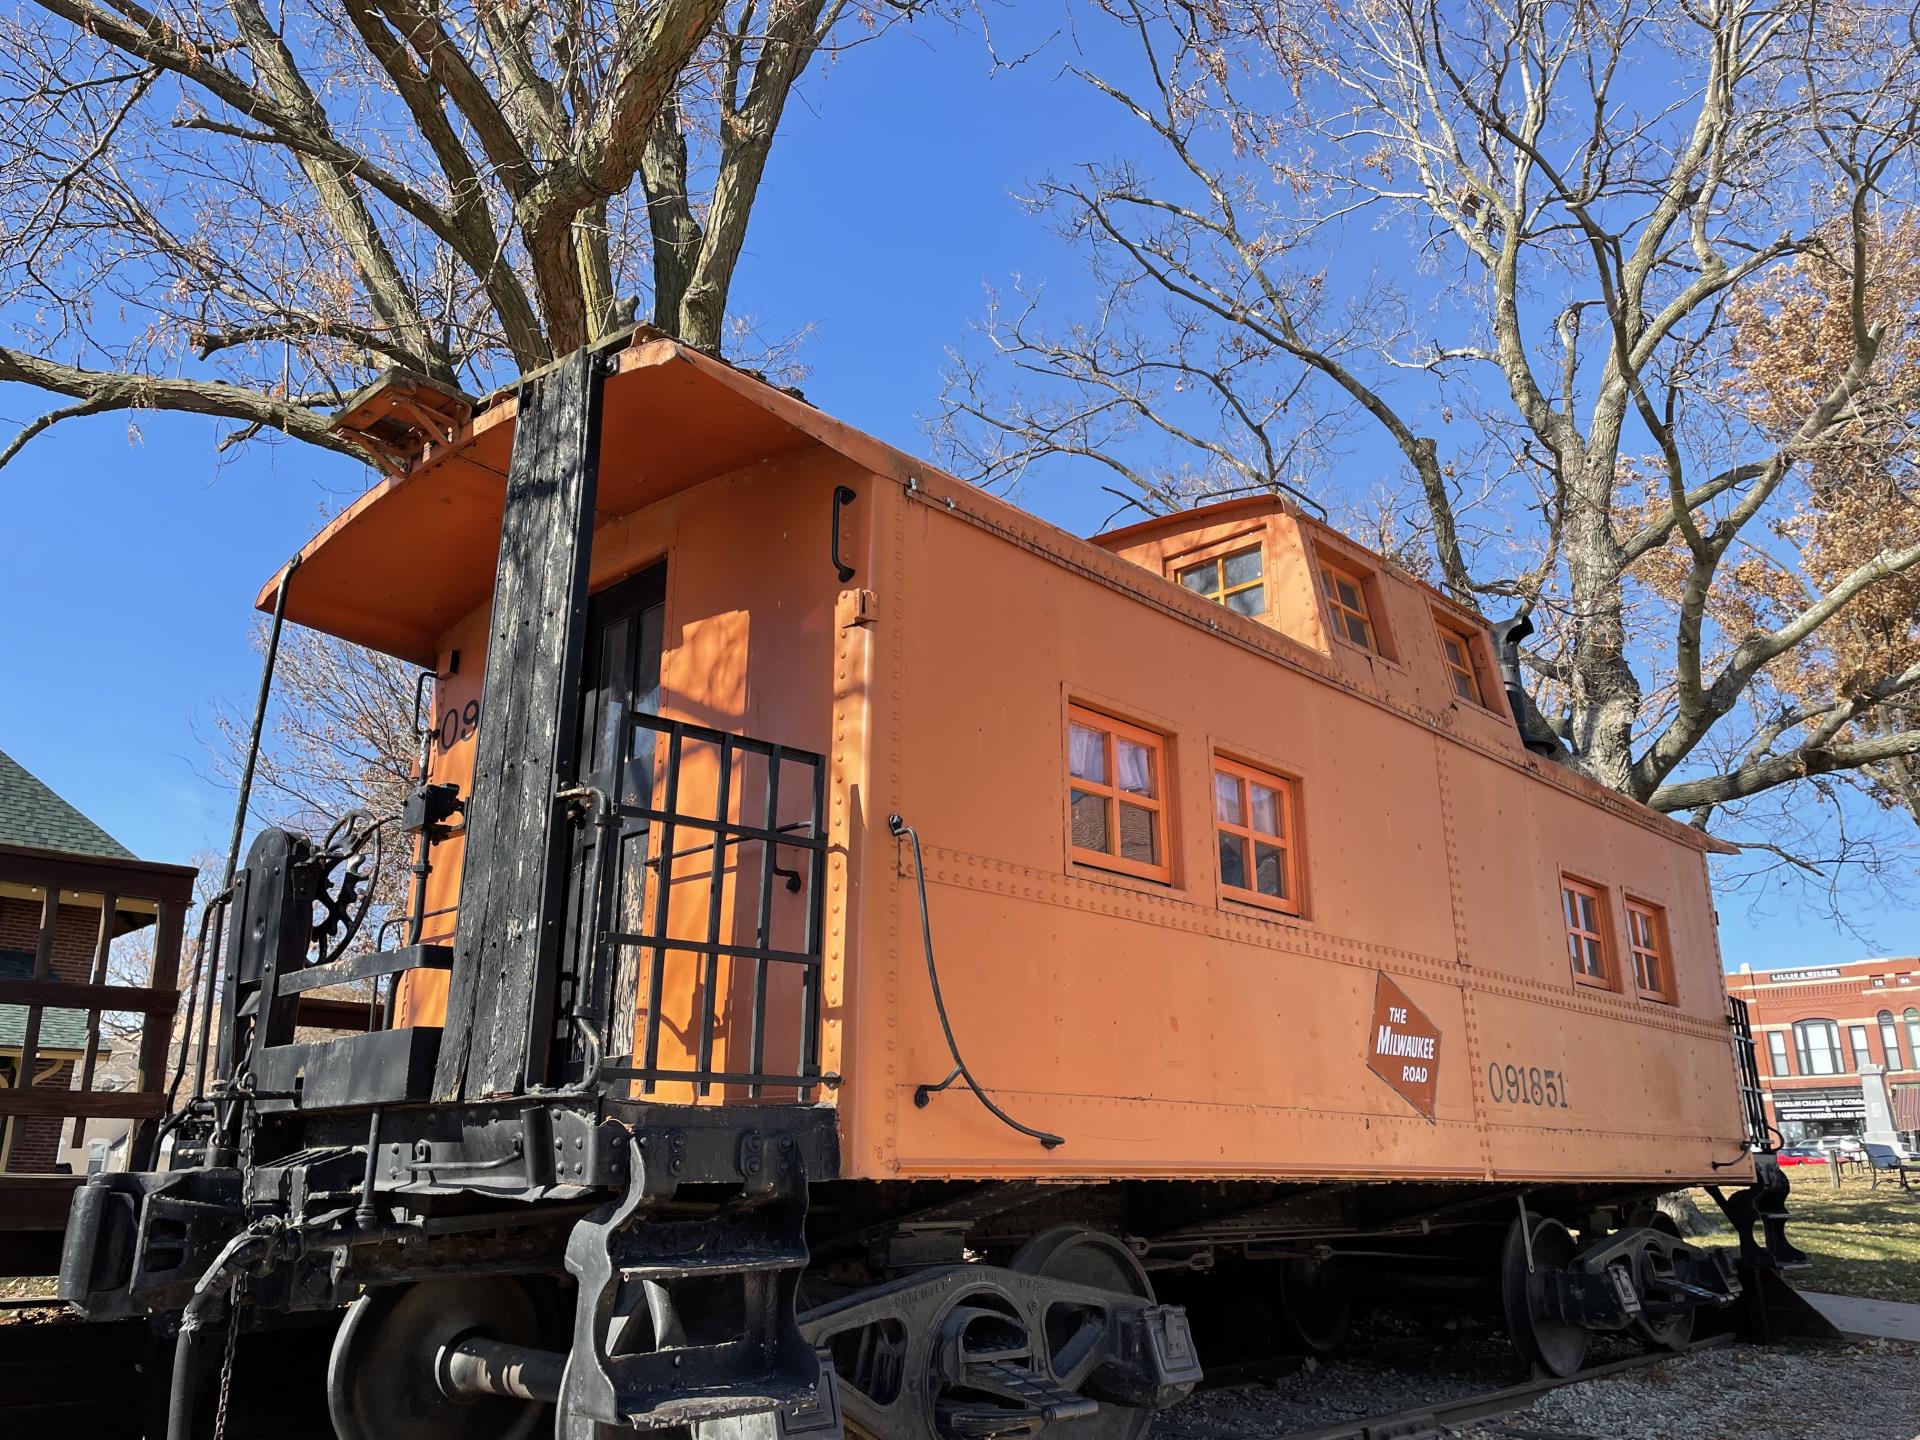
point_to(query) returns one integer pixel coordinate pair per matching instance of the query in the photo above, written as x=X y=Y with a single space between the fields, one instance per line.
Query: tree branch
x=101 y=390
x=1784 y=769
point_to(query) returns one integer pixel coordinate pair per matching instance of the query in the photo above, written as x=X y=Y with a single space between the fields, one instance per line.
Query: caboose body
x=871 y=895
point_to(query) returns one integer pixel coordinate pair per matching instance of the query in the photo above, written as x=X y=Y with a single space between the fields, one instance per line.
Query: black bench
x=1885 y=1160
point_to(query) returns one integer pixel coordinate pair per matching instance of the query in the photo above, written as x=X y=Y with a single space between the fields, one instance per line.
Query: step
x=695 y=1403
x=730 y=1261
x=1032 y=1389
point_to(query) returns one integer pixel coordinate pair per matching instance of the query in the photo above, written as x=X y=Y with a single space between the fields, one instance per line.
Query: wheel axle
x=476 y=1365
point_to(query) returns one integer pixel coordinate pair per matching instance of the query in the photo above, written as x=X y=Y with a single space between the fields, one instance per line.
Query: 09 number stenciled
x=1528 y=1085
x=457 y=725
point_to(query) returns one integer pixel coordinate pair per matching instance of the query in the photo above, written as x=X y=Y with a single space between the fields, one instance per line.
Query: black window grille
x=740 y=923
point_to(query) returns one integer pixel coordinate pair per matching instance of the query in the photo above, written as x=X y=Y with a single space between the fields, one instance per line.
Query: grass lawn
x=1862 y=1241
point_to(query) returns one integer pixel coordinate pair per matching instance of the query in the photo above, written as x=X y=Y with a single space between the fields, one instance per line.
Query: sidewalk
x=1868 y=1319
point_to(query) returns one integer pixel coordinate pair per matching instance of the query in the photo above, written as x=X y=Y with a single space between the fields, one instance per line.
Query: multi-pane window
x=1862 y=1051
x=1912 y=1017
x=1584 y=908
x=1777 y=1052
x=1347 y=602
x=1456 y=649
x=1816 y=1043
x=1235 y=581
x=1647 y=939
x=1254 y=820
x=1116 y=795
x=1890 y=1040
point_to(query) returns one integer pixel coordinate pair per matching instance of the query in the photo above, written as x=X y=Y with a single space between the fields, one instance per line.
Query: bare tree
x=243 y=213
x=1639 y=332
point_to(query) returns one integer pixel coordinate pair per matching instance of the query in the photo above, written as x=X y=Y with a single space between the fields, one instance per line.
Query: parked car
x=1843 y=1147
x=1798 y=1154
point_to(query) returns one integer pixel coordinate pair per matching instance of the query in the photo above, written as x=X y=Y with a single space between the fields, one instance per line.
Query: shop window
x=1816 y=1045
x=1350 y=606
x=1237 y=581
x=1257 y=831
x=1584 y=908
x=1862 y=1051
x=1461 y=655
x=1890 y=1040
x=1647 y=940
x=1777 y=1052
x=1116 y=795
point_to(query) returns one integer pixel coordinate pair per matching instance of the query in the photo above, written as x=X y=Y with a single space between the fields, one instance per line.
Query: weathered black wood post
x=512 y=890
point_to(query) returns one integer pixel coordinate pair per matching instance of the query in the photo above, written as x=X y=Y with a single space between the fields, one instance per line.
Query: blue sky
x=888 y=209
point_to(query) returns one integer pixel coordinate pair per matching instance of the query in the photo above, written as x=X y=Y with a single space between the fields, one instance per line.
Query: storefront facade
x=1817 y=1028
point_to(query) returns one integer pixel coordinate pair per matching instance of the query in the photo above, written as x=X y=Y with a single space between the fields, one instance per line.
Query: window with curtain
x=1647 y=938
x=1583 y=907
x=1816 y=1044
x=1912 y=1017
x=1862 y=1051
x=1777 y=1052
x=1890 y=1040
x=1116 y=795
x=1254 y=820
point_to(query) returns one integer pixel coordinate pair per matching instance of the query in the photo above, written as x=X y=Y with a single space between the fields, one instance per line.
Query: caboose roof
x=417 y=552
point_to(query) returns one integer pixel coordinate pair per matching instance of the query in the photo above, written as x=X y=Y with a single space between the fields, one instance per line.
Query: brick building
x=1817 y=1029
x=38 y=829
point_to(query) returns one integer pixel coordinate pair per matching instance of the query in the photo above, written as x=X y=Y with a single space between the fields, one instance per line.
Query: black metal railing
x=1746 y=1066
x=683 y=931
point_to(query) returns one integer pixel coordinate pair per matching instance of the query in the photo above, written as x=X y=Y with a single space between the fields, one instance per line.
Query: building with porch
x=89 y=954
x=1818 y=1030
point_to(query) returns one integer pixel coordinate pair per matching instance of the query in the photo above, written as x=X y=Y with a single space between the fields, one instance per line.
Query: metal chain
x=247 y=1127
x=226 y=1362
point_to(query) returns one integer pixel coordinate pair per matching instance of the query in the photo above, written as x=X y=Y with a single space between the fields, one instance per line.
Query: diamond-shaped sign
x=1403 y=1046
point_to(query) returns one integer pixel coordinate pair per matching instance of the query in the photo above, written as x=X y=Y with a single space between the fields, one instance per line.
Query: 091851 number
x=1528 y=1085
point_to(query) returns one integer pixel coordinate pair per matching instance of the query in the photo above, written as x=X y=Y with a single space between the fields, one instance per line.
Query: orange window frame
x=1584 y=939
x=1344 y=614
x=1287 y=842
x=1219 y=591
x=1463 y=669
x=1112 y=731
x=1652 y=953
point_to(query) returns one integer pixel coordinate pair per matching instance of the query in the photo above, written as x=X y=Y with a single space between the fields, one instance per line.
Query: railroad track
x=1424 y=1421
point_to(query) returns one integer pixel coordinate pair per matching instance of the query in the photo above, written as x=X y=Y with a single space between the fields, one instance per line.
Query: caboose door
x=620 y=673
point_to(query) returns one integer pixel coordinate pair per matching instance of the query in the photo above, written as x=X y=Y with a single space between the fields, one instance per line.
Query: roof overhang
x=417 y=553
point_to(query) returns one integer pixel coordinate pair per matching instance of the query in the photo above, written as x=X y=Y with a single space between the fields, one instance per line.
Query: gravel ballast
x=1864 y=1391
x=1860 y=1391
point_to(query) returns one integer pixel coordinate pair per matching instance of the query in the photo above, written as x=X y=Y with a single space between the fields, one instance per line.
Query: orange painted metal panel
x=1162 y=1027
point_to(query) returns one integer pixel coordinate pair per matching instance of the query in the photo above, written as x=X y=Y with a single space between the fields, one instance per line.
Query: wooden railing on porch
x=163 y=891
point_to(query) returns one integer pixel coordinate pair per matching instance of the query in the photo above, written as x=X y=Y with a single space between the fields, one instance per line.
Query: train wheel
x=1315 y=1306
x=1084 y=1257
x=383 y=1381
x=1672 y=1332
x=1552 y=1345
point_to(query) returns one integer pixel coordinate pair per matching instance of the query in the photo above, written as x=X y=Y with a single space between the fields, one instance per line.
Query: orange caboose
x=1119 y=968
x=848 y=813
